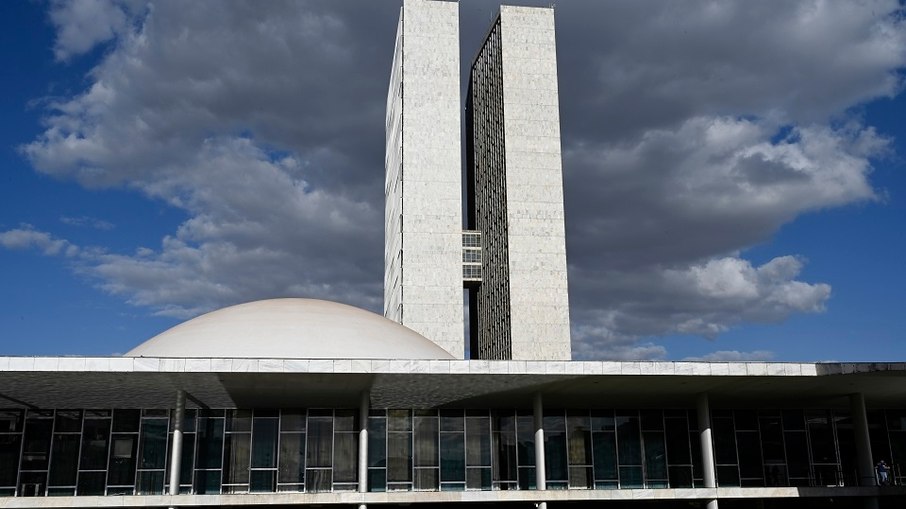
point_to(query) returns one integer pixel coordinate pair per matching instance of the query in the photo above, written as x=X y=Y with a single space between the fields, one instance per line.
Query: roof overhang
x=118 y=382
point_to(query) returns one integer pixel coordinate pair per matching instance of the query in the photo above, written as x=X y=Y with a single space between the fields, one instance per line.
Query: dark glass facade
x=124 y=452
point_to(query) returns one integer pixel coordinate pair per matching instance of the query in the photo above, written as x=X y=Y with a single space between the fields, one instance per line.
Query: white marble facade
x=423 y=219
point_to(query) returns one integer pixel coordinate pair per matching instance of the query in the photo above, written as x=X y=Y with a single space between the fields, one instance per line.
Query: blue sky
x=734 y=173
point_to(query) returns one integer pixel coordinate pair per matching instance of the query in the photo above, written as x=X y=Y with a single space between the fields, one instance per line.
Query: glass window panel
x=629 y=445
x=207 y=482
x=793 y=420
x=605 y=455
x=292 y=456
x=318 y=480
x=527 y=478
x=262 y=481
x=676 y=434
x=11 y=421
x=399 y=457
x=377 y=479
x=826 y=475
x=187 y=463
x=239 y=420
x=121 y=469
x=797 y=454
x=95 y=440
x=10 y=446
x=125 y=421
x=478 y=441
x=750 y=464
x=36 y=447
x=821 y=437
x=580 y=477
x=266 y=412
x=680 y=477
x=236 y=452
x=772 y=439
x=695 y=445
x=53 y=492
x=655 y=455
x=775 y=475
x=602 y=420
x=292 y=420
x=153 y=453
x=68 y=421
x=478 y=478
x=452 y=457
x=91 y=483
x=724 y=441
x=451 y=420
x=346 y=420
x=425 y=435
x=399 y=420
x=504 y=467
x=32 y=484
x=555 y=456
x=426 y=479
x=377 y=442
x=579 y=440
x=264 y=443
x=652 y=420
x=525 y=440
x=209 y=449
x=64 y=460
x=150 y=482
x=319 y=450
x=345 y=457
x=896 y=420
x=630 y=477
x=727 y=476
x=746 y=420
x=159 y=412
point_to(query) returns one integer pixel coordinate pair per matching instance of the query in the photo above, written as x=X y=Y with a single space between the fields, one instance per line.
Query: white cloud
x=26 y=237
x=734 y=356
x=690 y=133
x=82 y=24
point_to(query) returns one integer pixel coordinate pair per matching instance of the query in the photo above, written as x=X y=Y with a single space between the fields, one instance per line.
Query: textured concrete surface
x=539 y=303
x=423 y=247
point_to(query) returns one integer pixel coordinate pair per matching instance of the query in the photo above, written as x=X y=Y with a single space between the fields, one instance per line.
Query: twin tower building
x=496 y=227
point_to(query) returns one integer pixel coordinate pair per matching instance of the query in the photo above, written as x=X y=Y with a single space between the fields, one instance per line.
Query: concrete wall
x=534 y=185
x=423 y=279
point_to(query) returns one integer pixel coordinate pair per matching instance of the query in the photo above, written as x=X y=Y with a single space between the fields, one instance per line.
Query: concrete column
x=864 y=461
x=364 y=407
x=176 y=455
x=707 y=445
x=540 y=474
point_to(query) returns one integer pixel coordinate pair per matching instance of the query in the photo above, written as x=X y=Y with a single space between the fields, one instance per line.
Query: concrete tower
x=520 y=310
x=423 y=187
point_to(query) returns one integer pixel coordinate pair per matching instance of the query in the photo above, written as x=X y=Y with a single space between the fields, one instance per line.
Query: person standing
x=883 y=470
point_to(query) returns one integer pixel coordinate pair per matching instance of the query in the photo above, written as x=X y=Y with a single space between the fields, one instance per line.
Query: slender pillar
x=540 y=474
x=364 y=407
x=864 y=462
x=176 y=455
x=707 y=445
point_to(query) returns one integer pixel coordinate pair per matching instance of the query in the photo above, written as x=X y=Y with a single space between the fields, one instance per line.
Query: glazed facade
x=126 y=452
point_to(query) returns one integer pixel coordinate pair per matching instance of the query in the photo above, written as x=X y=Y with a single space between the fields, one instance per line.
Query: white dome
x=291 y=329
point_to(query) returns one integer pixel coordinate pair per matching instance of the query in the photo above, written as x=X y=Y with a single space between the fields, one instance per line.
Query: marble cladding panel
x=431 y=273
x=536 y=238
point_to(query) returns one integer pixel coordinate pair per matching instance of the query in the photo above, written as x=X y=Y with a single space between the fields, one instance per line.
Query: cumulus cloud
x=690 y=132
x=734 y=355
x=26 y=237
